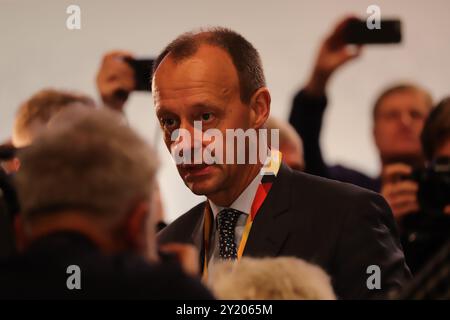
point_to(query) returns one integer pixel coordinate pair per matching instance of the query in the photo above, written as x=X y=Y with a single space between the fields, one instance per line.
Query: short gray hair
x=87 y=160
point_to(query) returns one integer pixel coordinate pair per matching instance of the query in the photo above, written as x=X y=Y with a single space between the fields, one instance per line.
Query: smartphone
x=7 y=152
x=142 y=73
x=357 y=32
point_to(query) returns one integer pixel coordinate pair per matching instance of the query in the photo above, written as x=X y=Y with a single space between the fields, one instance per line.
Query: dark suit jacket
x=41 y=273
x=340 y=227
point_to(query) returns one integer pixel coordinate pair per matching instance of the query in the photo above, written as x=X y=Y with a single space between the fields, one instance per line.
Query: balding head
x=290 y=143
x=243 y=55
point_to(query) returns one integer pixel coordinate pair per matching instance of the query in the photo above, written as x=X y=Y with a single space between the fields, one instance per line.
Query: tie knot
x=226 y=220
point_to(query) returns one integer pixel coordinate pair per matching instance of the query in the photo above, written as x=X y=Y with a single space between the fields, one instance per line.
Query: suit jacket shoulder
x=185 y=228
x=349 y=230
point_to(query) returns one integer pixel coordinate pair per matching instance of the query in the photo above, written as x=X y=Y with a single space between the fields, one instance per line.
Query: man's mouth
x=191 y=171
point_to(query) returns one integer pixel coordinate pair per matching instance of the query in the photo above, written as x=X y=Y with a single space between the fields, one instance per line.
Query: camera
x=434 y=186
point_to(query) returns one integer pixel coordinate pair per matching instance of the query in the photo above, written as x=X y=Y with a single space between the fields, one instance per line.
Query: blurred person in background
x=426 y=230
x=290 y=143
x=85 y=189
x=116 y=81
x=398 y=118
x=34 y=114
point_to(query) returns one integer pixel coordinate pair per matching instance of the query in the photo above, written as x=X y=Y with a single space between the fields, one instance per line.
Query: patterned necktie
x=226 y=220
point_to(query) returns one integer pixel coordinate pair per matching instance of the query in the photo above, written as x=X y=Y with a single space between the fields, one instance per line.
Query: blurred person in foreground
x=35 y=113
x=399 y=114
x=283 y=278
x=215 y=77
x=85 y=189
x=31 y=120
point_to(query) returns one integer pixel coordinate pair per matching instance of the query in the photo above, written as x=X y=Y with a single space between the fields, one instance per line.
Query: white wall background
x=38 y=51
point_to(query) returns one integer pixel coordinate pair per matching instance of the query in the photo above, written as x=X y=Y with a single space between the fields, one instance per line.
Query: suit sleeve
x=369 y=237
x=306 y=117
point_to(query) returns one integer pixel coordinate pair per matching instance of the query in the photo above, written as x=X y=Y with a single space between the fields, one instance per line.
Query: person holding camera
x=427 y=227
x=398 y=118
x=436 y=146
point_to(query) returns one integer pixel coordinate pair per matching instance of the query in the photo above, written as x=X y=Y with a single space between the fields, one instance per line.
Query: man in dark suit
x=216 y=77
x=86 y=229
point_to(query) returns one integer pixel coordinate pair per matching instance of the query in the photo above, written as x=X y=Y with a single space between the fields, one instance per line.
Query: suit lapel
x=197 y=233
x=270 y=228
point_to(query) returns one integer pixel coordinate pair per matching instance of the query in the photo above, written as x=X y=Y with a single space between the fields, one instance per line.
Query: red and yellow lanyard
x=260 y=196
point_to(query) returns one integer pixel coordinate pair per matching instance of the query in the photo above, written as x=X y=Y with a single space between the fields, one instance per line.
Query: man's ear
x=19 y=232
x=260 y=105
x=136 y=225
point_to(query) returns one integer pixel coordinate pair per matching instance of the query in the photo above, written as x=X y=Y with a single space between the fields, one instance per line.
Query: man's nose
x=188 y=138
x=406 y=119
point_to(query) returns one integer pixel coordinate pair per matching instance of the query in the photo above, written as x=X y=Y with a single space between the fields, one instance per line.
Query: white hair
x=270 y=278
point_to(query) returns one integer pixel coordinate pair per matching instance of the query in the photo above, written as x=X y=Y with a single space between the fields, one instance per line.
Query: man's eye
x=168 y=122
x=417 y=115
x=391 y=115
x=207 y=116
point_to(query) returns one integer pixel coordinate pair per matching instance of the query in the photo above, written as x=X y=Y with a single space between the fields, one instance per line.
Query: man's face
x=398 y=124
x=203 y=87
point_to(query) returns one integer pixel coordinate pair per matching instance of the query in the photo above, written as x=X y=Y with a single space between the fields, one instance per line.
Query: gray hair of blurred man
x=283 y=278
x=34 y=114
x=87 y=160
x=290 y=143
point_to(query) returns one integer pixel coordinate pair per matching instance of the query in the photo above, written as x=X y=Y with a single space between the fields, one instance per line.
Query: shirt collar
x=244 y=202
